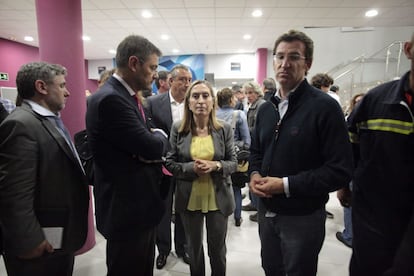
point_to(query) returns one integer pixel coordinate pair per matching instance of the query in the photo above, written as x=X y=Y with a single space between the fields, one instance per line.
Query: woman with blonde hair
x=202 y=158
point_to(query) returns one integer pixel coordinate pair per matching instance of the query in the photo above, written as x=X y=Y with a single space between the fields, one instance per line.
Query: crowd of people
x=171 y=157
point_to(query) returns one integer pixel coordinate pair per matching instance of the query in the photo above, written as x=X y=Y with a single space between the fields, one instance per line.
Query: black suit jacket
x=127 y=175
x=42 y=184
x=3 y=113
x=159 y=111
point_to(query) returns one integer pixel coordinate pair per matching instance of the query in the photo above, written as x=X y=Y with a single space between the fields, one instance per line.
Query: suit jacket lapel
x=60 y=140
x=119 y=88
x=166 y=106
x=51 y=129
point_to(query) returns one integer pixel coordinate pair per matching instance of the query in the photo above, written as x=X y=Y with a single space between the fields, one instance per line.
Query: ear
x=133 y=62
x=308 y=64
x=409 y=50
x=41 y=87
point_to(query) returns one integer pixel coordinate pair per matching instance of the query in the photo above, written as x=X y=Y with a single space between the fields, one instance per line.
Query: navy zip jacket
x=310 y=146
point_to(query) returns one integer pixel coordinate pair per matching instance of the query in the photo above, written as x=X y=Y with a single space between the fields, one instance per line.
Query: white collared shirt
x=177 y=109
x=126 y=85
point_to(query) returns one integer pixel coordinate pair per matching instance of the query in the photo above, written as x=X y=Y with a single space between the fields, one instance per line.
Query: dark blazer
x=180 y=163
x=3 y=113
x=42 y=184
x=159 y=110
x=127 y=182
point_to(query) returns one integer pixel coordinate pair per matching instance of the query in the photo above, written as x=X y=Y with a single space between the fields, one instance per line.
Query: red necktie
x=141 y=109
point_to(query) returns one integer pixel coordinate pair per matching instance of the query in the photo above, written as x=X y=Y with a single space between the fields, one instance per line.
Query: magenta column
x=261 y=57
x=59 y=25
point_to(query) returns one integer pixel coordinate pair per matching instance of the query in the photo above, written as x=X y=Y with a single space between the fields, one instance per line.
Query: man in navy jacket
x=300 y=152
x=127 y=160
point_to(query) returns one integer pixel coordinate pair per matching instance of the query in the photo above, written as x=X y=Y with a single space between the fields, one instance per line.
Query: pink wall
x=12 y=56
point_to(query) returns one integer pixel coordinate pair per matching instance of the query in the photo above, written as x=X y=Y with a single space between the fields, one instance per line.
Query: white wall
x=220 y=65
x=94 y=64
x=332 y=47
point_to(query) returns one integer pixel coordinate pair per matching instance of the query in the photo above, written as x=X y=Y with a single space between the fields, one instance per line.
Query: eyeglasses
x=279 y=58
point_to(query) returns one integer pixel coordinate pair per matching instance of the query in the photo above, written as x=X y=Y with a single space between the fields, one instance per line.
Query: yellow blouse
x=202 y=194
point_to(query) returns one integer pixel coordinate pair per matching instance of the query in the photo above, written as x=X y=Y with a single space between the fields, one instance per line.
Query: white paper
x=54 y=236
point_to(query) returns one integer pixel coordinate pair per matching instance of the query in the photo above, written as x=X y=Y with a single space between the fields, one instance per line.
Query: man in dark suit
x=127 y=160
x=163 y=109
x=44 y=195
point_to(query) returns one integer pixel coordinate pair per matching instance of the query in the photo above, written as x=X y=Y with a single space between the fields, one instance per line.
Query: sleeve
x=18 y=166
x=230 y=161
x=3 y=113
x=180 y=169
x=123 y=128
x=243 y=129
x=335 y=156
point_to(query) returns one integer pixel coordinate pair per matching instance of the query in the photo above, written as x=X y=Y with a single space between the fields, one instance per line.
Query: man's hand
x=345 y=197
x=38 y=251
x=266 y=186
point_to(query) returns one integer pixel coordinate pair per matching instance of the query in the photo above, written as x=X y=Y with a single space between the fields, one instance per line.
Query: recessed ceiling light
x=28 y=38
x=112 y=51
x=371 y=13
x=175 y=51
x=257 y=13
x=146 y=14
x=86 y=38
x=165 y=37
x=247 y=37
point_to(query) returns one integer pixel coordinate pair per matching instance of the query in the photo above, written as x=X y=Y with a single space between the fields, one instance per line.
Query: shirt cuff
x=286 y=186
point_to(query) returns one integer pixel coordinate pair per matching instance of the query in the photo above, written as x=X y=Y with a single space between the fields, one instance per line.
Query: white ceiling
x=205 y=26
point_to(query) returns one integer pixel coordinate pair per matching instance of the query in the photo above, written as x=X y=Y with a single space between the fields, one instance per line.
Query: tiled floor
x=243 y=256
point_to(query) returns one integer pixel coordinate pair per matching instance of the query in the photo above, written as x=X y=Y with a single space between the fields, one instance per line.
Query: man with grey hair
x=44 y=196
x=164 y=109
x=127 y=160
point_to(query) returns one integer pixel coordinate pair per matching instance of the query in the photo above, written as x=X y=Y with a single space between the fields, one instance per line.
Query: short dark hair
x=162 y=75
x=320 y=80
x=269 y=84
x=334 y=88
x=294 y=35
x=29 y=73
x=224 y=97
x=135 y=45
x=236 y=88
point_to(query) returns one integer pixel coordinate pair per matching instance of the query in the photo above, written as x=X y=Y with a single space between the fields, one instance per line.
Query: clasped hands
x=266 y=186
x=202 y=167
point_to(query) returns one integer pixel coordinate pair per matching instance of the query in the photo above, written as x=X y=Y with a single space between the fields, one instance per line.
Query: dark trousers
x=216 y=226
x=163 y=238
x=134 y=257
x=372 y=250
x=57 y=264
x=291 y=244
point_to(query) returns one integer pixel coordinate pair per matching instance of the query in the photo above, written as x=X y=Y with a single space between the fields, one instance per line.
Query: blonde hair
x=188 y=123
x=253 y=85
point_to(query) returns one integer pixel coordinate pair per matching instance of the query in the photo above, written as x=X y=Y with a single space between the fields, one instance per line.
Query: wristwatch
x=218 y=166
